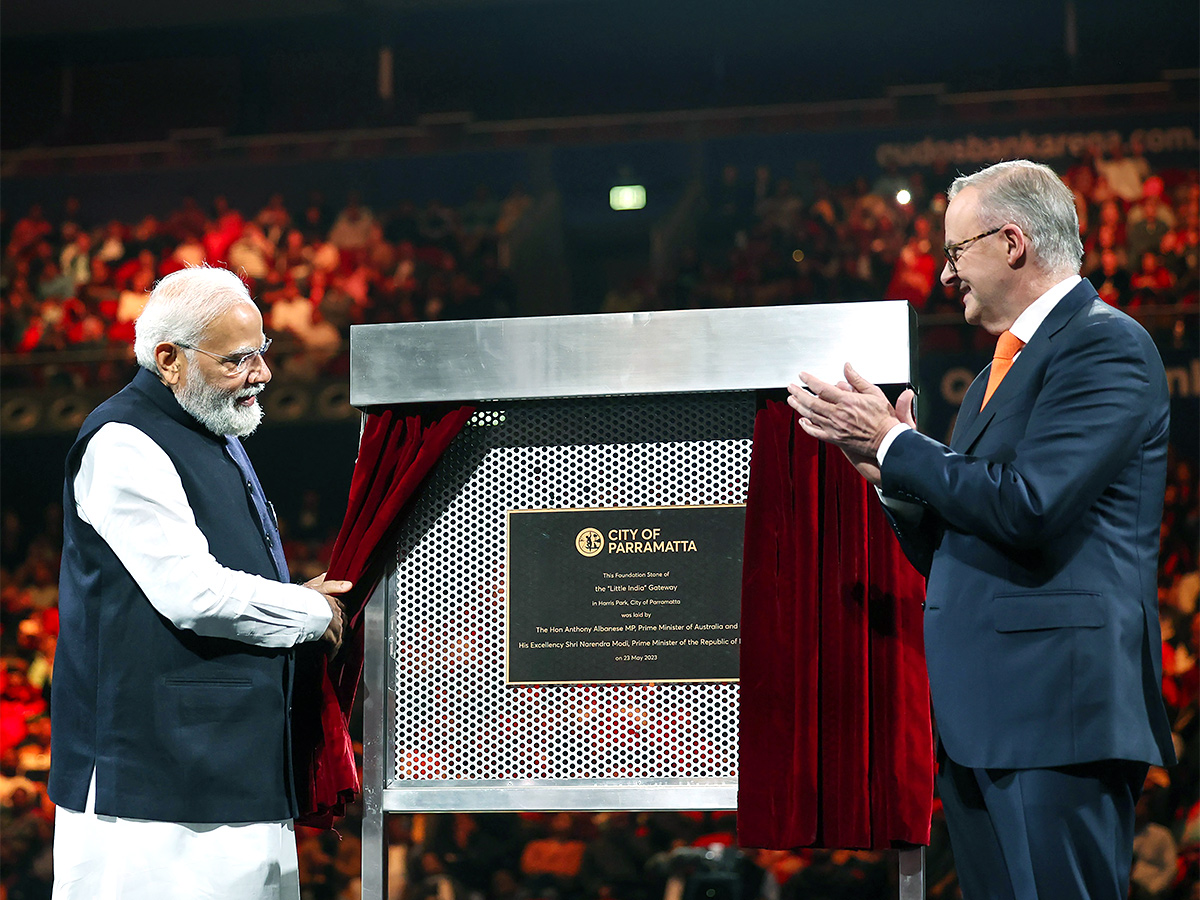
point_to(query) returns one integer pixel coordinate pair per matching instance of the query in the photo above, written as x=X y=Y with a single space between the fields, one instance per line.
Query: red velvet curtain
x=395 y=454
x=835 y=733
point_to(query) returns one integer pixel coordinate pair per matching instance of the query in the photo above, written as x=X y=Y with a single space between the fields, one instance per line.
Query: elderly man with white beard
x=171 y=757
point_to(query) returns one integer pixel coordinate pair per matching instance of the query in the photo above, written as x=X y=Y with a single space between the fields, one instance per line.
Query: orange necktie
x=1007 y=347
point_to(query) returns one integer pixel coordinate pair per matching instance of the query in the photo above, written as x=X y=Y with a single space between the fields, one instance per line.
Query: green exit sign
x=627 y=196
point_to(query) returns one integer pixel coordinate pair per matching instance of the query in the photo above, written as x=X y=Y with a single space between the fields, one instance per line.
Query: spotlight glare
x=903 y=197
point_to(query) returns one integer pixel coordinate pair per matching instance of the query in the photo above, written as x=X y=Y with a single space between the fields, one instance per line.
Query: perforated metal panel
x=455 y=718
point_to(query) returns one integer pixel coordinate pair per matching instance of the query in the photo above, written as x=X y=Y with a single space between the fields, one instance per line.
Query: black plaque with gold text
x=618 y=595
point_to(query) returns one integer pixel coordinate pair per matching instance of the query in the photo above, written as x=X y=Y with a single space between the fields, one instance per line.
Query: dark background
x=250 y=67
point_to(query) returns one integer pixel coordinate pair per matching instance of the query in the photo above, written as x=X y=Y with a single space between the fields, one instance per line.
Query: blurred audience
x=69 y=286
x=762 y=242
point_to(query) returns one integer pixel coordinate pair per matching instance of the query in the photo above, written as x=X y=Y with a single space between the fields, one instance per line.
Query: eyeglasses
x=955 y=251
x=239 y=361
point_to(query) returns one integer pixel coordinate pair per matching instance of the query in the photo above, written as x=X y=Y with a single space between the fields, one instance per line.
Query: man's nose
x=260 y=372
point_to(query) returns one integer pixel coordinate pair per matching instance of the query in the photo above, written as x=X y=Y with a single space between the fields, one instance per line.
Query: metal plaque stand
x=575 y=412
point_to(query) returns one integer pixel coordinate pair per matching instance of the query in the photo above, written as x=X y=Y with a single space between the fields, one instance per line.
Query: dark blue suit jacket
x=1039 y=536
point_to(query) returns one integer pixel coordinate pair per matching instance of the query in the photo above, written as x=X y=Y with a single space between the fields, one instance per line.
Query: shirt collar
x=1035 y=313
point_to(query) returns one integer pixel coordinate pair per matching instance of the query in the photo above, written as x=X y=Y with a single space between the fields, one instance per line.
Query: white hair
x=183 y=306
x=1031 y=196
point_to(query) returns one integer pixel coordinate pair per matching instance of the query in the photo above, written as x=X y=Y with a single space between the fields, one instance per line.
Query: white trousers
x=110 y=858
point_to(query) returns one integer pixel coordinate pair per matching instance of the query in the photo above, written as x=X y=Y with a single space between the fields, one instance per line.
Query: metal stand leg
x=912 y=874
x=376 y=715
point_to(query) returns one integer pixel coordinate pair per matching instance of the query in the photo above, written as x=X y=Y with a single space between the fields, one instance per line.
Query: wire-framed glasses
x=239 y=362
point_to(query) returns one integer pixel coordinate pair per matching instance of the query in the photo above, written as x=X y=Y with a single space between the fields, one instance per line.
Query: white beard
x=217 y=410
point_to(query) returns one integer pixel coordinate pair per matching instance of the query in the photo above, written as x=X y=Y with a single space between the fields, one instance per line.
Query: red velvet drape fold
x=835 y=734
x=395 y=454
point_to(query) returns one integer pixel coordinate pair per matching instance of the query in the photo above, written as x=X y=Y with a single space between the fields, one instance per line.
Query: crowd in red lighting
x=76 y=283
x=769 y=240
x=73 y=285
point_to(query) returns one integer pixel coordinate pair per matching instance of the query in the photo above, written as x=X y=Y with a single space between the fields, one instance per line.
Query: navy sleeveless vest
x=178 y=727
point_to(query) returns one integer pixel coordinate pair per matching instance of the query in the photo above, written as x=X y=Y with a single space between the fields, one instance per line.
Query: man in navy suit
x=1038 y=531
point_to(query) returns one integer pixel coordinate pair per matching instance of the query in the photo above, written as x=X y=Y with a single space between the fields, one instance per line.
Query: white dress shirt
x=1026 y=324
x=127 y=489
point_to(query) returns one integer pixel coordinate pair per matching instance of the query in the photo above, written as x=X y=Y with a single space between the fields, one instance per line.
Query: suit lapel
x=969 y=414
x=1017 y=385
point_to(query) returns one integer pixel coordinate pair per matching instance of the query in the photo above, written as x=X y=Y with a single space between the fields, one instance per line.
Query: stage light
x=627 y=196
x=903 y=197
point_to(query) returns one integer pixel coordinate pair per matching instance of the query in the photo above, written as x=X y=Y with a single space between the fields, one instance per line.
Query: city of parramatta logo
x=589 y=542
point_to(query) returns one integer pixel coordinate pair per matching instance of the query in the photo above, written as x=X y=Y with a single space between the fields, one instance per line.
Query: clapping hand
x=853 y=415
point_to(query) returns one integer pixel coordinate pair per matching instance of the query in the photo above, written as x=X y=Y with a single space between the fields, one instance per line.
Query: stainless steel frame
x=673 y=352
x=685 y=352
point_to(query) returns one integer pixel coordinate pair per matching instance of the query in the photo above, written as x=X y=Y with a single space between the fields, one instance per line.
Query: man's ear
x=170 y=363
x=1017 y=245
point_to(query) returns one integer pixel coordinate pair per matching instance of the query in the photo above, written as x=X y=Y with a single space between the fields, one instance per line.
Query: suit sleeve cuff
x=905 y=509
x=894 y=432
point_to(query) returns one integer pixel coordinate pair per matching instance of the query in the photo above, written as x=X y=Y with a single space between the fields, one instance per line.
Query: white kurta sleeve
x=127 y=489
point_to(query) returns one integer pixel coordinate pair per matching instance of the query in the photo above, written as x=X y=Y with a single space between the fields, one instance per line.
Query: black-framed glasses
x=954 y=251
x=239 y=361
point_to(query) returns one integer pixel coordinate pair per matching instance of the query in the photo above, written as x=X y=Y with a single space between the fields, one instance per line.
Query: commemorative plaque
x=643 y=594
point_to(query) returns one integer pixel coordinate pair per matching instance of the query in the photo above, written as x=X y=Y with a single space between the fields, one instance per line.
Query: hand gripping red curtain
x=395 y=454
